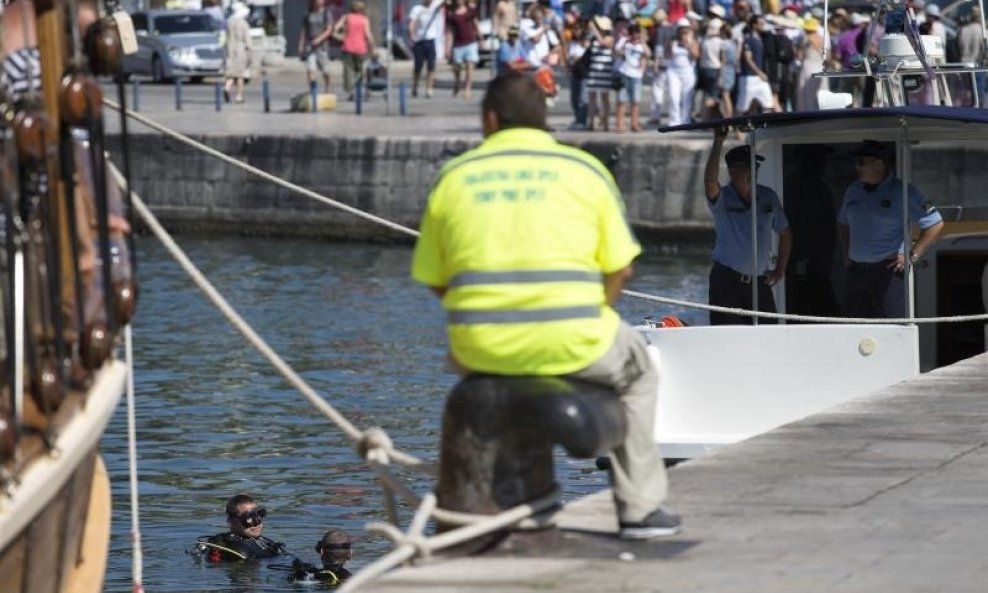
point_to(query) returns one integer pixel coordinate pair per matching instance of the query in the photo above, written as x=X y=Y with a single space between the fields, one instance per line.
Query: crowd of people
x=704 y=60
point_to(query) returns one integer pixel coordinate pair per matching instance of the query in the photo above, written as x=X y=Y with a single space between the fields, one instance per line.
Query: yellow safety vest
x=521 y=231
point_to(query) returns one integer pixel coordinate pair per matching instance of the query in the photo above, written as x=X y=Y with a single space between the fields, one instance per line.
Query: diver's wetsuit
x=331 y=575
x=231 y=547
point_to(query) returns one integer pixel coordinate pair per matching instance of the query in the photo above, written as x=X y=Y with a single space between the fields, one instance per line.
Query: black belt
x=866 y=265
x=742 y=278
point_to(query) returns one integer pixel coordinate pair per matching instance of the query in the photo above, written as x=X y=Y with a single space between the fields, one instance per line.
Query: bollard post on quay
x=358 y=92
x=402 y=98
x=218 y=95
x=266 y=93
x=135 y=102
x=178 y=93
x=313 y=96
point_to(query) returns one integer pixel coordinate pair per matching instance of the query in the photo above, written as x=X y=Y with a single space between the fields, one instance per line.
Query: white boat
x=722 y=384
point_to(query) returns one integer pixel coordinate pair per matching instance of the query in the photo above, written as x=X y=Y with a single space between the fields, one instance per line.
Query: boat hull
x=55 y=523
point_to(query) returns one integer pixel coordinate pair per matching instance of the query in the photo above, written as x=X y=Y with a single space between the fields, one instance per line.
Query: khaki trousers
x=638 y=473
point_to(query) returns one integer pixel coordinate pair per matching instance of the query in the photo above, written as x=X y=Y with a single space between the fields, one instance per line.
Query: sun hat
x=717 y=10
x=602 y=23
x=811 y=25
x=933 y=10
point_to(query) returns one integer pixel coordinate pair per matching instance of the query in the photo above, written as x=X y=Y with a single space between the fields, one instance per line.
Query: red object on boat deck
x=545 y=79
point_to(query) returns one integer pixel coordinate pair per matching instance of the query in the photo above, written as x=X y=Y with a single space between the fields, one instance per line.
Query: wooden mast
x=53 y=51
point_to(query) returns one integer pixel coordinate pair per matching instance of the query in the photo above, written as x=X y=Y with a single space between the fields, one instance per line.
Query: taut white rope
x=135 y=521
x=411 y=232
x=260 y=173
x=807 y=318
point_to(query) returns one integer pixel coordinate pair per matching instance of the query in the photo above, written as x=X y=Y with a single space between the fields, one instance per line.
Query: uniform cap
x=740 y=156
x=717 y=10
x=874 y=148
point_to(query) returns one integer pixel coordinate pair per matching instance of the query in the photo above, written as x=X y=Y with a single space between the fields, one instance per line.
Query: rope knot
x=375 y=445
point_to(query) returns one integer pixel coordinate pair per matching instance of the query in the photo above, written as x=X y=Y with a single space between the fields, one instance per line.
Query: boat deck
x=883 y=494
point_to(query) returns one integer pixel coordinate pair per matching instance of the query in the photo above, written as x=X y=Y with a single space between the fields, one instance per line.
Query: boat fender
x=96 y=345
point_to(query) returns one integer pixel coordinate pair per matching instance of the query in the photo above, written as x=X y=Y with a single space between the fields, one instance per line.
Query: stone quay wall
x=662 y=182
x=387 y=177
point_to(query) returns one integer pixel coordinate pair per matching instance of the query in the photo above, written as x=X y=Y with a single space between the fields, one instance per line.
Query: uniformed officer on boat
x=732 y=272
x=871 y=228
x=244 y=540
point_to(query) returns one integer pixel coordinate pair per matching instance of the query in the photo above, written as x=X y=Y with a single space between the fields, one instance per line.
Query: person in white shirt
x=425 y=27
x=633 y=53
x=936 y=27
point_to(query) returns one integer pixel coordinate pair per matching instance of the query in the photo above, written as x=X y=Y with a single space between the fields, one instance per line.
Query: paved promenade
x=884 y=494
x=442 y=115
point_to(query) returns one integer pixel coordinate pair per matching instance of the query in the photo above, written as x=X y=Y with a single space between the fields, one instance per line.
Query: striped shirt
x=22 y=70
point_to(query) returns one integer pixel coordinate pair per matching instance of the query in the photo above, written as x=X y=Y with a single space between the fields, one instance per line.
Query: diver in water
x=334 y=550
x=244 y=540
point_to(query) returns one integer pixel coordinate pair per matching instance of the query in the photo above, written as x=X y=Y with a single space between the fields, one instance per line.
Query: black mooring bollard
x=402 y=94
x=218 y=95
x=359 y=98
x=313 y=96
x=266 y=93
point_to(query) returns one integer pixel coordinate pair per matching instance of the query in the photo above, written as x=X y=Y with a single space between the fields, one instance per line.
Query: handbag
x=617 y=81
x=581 y=67
x=339 y=31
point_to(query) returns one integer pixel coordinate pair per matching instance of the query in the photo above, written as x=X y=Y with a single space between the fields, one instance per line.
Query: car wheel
x=157 y=70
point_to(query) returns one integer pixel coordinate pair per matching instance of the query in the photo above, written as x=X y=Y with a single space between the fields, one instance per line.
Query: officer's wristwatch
x=912 y=256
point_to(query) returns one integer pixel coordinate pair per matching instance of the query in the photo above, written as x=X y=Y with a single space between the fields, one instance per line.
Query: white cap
x=683 y=22
x=933 y=10
x=693 y=16
x=857 y=18
x=717 y=10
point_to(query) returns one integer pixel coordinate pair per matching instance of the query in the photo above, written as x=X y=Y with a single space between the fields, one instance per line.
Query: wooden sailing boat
x=66 y=289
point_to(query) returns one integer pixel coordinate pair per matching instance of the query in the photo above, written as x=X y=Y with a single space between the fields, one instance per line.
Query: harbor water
x=214 y=419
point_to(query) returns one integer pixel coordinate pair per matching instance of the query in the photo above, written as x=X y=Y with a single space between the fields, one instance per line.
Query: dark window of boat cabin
x=814 y=177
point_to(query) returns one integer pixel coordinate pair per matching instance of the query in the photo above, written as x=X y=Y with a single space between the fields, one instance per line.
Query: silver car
x=176 y=43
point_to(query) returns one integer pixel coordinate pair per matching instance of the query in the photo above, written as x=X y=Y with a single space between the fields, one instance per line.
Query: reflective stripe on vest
x=523 y=277
x=523 y=315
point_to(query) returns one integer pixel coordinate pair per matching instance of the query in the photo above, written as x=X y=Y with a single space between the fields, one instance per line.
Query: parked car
x=173 y=43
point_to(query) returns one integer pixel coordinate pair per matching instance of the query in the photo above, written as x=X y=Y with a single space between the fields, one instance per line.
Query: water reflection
x=214 y=419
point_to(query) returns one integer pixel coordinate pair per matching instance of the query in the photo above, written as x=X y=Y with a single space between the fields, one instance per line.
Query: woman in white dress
x=681 y=62
x=237 y=66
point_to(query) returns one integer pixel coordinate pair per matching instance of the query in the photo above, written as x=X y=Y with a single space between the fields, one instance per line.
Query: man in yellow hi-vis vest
x=526 y=242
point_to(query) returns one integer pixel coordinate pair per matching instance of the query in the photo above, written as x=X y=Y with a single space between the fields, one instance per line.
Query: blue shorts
x=631 y=92
x=425 y=55
x=466 y=53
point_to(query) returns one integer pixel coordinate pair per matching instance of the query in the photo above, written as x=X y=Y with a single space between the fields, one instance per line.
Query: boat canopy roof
x=771 y=120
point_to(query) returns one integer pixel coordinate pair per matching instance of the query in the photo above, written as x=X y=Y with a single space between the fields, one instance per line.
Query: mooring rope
x=262 y=173
x=372 y=444
x=411 y=232
x=807 y=318
x=137 y=568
